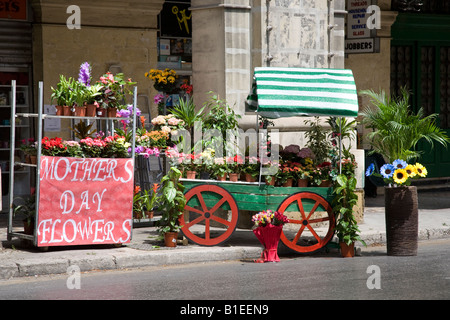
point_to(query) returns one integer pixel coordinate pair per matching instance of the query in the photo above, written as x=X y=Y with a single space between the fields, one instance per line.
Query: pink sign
x=85 y=201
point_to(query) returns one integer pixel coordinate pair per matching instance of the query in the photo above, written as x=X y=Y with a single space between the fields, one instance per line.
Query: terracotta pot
x=80 y=111
x=190 y=174
x=233 y=176
x=222 y=178
x=149 y=214
x=325 y=184
x=288 y=183
x=111 y=112
x=347 y=251
x=59 y=110
x=271 y=182
x=302 y=183
x=67 y=111
x=170 y=239
x=249 y=178
x=33 y=159
x=101 y=112
x=402 y=220
x=91 y=110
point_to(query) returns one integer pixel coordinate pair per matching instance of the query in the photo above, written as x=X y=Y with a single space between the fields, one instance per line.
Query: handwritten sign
x=85 y=201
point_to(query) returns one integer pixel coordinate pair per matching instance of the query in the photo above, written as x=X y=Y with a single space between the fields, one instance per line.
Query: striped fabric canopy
x=285 y=92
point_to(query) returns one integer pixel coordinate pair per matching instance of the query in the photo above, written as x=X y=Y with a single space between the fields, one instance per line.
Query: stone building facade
x=232 y=37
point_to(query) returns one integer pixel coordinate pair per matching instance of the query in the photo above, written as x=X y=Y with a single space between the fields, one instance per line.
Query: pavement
x=18 y=259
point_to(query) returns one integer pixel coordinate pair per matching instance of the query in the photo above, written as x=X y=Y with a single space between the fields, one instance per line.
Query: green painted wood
x=257 y=198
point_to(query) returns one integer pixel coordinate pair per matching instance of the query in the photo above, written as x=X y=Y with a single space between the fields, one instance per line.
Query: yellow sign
x=182 y=18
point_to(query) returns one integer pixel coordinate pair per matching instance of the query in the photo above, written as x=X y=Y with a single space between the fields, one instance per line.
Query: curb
x=122 y=258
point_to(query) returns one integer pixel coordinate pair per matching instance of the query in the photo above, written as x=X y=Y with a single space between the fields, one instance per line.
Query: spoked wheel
x=210 y=216
x=311 y=222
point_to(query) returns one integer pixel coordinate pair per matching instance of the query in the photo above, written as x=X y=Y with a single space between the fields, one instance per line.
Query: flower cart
x=212 y=209
x=78 y=200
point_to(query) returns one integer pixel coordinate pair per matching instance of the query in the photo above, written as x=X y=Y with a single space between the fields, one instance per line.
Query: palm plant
x=397 y=130
x=185 y=110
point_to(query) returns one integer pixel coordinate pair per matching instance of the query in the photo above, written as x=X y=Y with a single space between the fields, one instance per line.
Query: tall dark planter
x=402 y=221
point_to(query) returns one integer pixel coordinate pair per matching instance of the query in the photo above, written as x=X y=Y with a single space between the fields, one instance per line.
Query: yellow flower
x=400 y=176
x=411 y=170
x=421 y=170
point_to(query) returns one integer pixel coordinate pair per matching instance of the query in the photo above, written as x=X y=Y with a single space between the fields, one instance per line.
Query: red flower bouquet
x=268 y=229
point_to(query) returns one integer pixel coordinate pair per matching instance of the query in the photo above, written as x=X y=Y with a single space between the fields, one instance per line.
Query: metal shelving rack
x=40 y=117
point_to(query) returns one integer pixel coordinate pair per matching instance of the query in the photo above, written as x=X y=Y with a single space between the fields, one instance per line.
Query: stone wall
x=114 y=36
x=231 y=38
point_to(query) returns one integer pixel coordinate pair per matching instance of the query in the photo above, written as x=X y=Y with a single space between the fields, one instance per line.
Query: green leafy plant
x=185 y=110
x=151 y=198
x=64 y=93
x=172 y=202
x=345 y=199
x=27 y=207
x=396 y=129
x=220 y=117
x=83 y=131
x=317 y=140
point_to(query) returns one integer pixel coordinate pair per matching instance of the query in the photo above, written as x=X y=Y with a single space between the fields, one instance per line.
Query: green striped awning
x=285 y=92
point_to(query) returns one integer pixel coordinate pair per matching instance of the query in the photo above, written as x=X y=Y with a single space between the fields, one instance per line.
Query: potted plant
x=396 y=130
x=301 y=174
x=234 y=164
x=205 y=166
x=286 y=174
x=346 y=227
x=28 y=147
x=138 y=203
x=28 y=209
x=113 y=91
x=150 y=201
x=251 y=169
x=163 y=80
x=322 y=179
x=172 y=206
x=64 y=95
x=220 y=169
x=317 y=140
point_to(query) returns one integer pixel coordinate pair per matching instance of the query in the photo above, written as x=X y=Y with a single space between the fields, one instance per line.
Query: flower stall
x=308 y=219
x=84 y=188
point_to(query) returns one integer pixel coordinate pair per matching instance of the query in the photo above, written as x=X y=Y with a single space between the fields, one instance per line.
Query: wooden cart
x=212 y=209
x=212 y=212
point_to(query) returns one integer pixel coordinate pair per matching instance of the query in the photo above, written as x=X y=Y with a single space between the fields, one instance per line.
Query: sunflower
x=400 y=176
x=411 y=170
x=421 y=170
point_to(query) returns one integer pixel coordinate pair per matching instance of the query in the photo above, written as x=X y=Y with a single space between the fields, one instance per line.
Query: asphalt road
x=373 y=275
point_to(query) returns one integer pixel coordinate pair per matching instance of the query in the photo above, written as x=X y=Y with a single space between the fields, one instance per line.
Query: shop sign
x=85 y=201
x=357 y=19
x=363 y=18
x=368 y=45
x=176 y=20
x=13 y=9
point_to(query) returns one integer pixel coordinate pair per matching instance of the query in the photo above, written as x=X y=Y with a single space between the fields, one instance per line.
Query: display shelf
x=40 y=117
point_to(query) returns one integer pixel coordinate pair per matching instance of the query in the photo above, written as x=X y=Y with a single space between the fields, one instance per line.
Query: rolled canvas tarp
x=287 y=92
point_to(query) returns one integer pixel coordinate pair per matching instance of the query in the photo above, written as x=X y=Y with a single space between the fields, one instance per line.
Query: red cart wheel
x=307 y=232
x=201 y=221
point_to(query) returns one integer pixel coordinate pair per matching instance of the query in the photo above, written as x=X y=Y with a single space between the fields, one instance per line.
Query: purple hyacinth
x=85 y=74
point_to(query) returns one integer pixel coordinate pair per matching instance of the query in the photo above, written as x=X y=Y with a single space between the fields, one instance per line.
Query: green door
x=420 y=60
